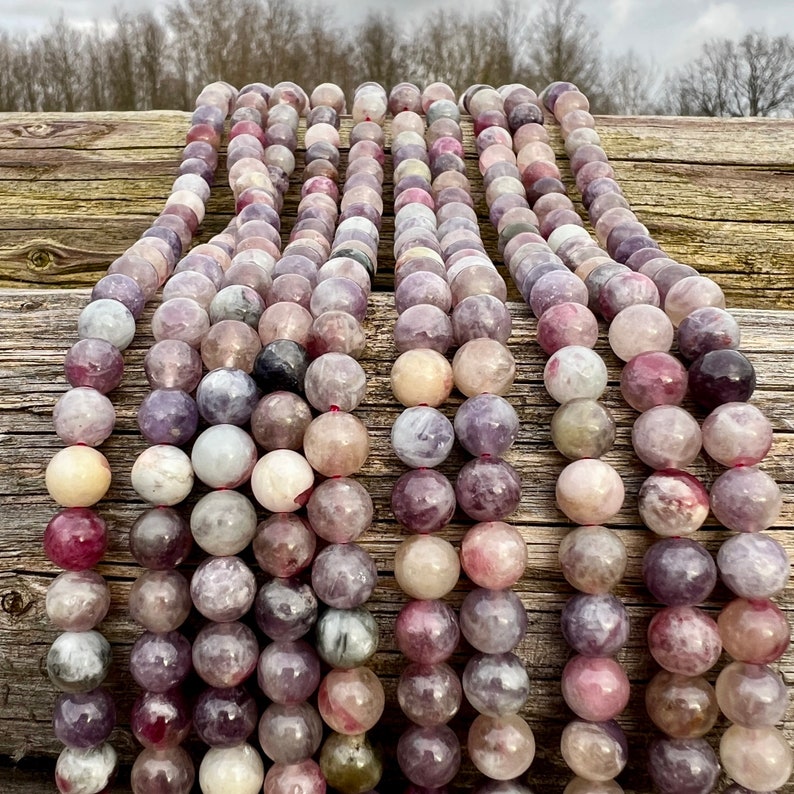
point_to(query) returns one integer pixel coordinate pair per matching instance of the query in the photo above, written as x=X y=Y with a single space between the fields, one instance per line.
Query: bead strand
x=422 y=500
x=589 y=491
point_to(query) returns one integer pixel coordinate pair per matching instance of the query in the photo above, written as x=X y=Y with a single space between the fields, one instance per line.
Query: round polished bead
x=77 y=476
x=684 y=640
x=666 y=437
x=159 y=662
x=426 y=567
x=566 y=324
x=421 y=376
x=336 y=444
x=705 y=329
x=285 y=321
x=231 y=770
x=758 y=758
x=486 y=424
x=483 y=365
x=162 y=475
x=595 y=625
x=502 y=747
x=281 y=365
x=429 y=694
x=679 y=572
x=423 y=326
x=651 y=379
x=583 y=428
x=75 y=539
x=158 y=771
x=279 y=421
x=83 y=416
x=746 y=499
x=589 y=491
x=496 y=684
x=168 y=416
x=640 y=328
x=673 y=503
x=182 y=319
x=344 y=575
x=592 y=558
x=683 y=766
x=224 y=717
x=282 y=481
x=488 y=489
x=574 y=372
x=721 y=376
x=429 y=756
x=597 y=751
x=304 y=776
x=172 y=364
x=83 y=719
x=349 y=764
x=285 y=609
x=78 y=661
x=756 y=631
x=160 y=600
x=493 y=555
x=751 y=695
x=335 y=381
x=226 y=396
x=426 y=632
x=351 y=701
x=223 y=522
x=77 y=600
x=160 y=720
x=223 y=456
x=422 y=437
x=480 y=316
x=223 y=588
x=340 y=510
x=94 y=363
x=690 y=293
x=346 y=638
x=87 y=771
x=683 y=707
x=737 y=434
x=423 y=500
x=753 y=565
x=284 y=545
x=288 y=672
x=493 y=621
x=225 y=654
x=109 y=320
x=160 y=539
x=290 y=733
x=595 y=689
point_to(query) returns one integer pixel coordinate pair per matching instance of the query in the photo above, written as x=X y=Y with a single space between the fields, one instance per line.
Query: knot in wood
x=41 y=260
x=13 y=603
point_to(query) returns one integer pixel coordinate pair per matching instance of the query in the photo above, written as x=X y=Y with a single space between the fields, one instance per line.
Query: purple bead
x=753 y=565
x=168 y=416
x=288 y=672
x=429 y=756
x=340 y=510
x=488 y=489
x=595 y=625
x=705 y=329
x=423 y=500
x=481 y=316
x=422 y=437
x=123 y=289
x=629 y=246
x=160 y=539
x=168 y=235
x=289 y=734
x=683 y=766
x=424 y=326
x=172 y=364
x=83 y=719
x=341 y=294
x=679 y=572
x=429 y=694
x=223 y=588
x=746 y=499
x=285 y=609
x=493 y=621
x=227 y=396
x=75 y=539
x=721 y=376
x=427 y=632
x=344 y=575
x=160 y=720
x=626 y=289
x=486 y=424
x=496 y=684
x=422 y=288
x=224 y=717
x=159 y=662
x=225 y=654
x=94 y=363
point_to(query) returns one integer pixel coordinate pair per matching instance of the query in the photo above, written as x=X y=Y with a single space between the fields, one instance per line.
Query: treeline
x=145 y=61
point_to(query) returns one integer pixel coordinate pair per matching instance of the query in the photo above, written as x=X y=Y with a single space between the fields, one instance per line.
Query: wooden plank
x=36 y=326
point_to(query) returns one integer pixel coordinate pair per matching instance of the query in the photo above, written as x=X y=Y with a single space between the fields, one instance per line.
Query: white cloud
x=718 y=21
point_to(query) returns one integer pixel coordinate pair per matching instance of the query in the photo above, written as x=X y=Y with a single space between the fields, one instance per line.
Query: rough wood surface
x=38 y=325
x=75 y=190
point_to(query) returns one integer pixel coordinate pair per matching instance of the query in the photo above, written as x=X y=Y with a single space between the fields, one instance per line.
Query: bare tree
x=633 y=85
x=751 y=77
x=377 y=55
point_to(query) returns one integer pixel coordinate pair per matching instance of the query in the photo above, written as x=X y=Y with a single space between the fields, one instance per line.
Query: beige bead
x=421 y=377
x=483 y=365
x=336 y=444
x=77 y=476
x=426 y=567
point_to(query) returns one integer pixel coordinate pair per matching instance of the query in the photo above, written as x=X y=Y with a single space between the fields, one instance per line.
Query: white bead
x=109 y=320
x=223 y=522
x=282 y=480
x=231 y=770
x=223 y=456
x=162 y=475
x=85 y=771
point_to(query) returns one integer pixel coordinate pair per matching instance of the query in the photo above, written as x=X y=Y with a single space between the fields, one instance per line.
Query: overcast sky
x=669 y=31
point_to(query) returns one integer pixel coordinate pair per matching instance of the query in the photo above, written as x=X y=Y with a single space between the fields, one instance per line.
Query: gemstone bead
x=289 y=734
x=488 y=489
x=595 y=688
x=159 y=662
x=493 y=621
x=83 y=416
x=223 y=588
x=422 y=437
x=684 y=640
x=683 y=766
x=78 y=661
x=430 y=756
x=496 y=684
x=589 y=491
x=746 y=499
x=575 y=371
x=583 y=428
x=756 y=631
x=160 y=600
x=705 y=329
x=751 y=695
x=350 y=764
x=285 y=609
x=640 y=329
x=486 y=424
x=344 y=575
x=426 y=632
x=282 y=481
x=679 y=572
x=597 y=751
x=284 y=545
x=77 y=600
x=721 y=376
x=223 y=522
x=422 y=500
x=160 y=720
x=288 y=672
x=224 y=717
x=83 y=719
x=279 y=421
x=737 y=434
x=592 y=558
x=673 y=503
x=159 y=771
x=223 y=456
x=75 y=539
x=493 y=555
x=340 y=510
x=757 y=758
x=336 y=444
x=351 y=701
x=502 y=747
x=421 y=376
x=172 y=364
x=94 y=363
x=225 y=654
x=429 y=694
x=88 y=771
x=346 y=638
x=77 y=476
x=595 y=625
x=162 y=475
x=753 y=565
x=483 y=365
x=305 y=775
x=653 y=378
x=231 y=770
x=683 y=707
x=226 y=396
x=666 y=437
x=109 y=320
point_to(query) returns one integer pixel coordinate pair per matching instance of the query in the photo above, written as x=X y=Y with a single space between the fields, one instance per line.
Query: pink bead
x=493 y=555
x=756 y=632
x=666 y=437
x=589 y=491
x=653 y=378
x=75 y=539
x=351 y=701
x=737 y=434
x=567 y=324
x=684 y=640
x=304 y=777
x=595 y=688
x=673 y=503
